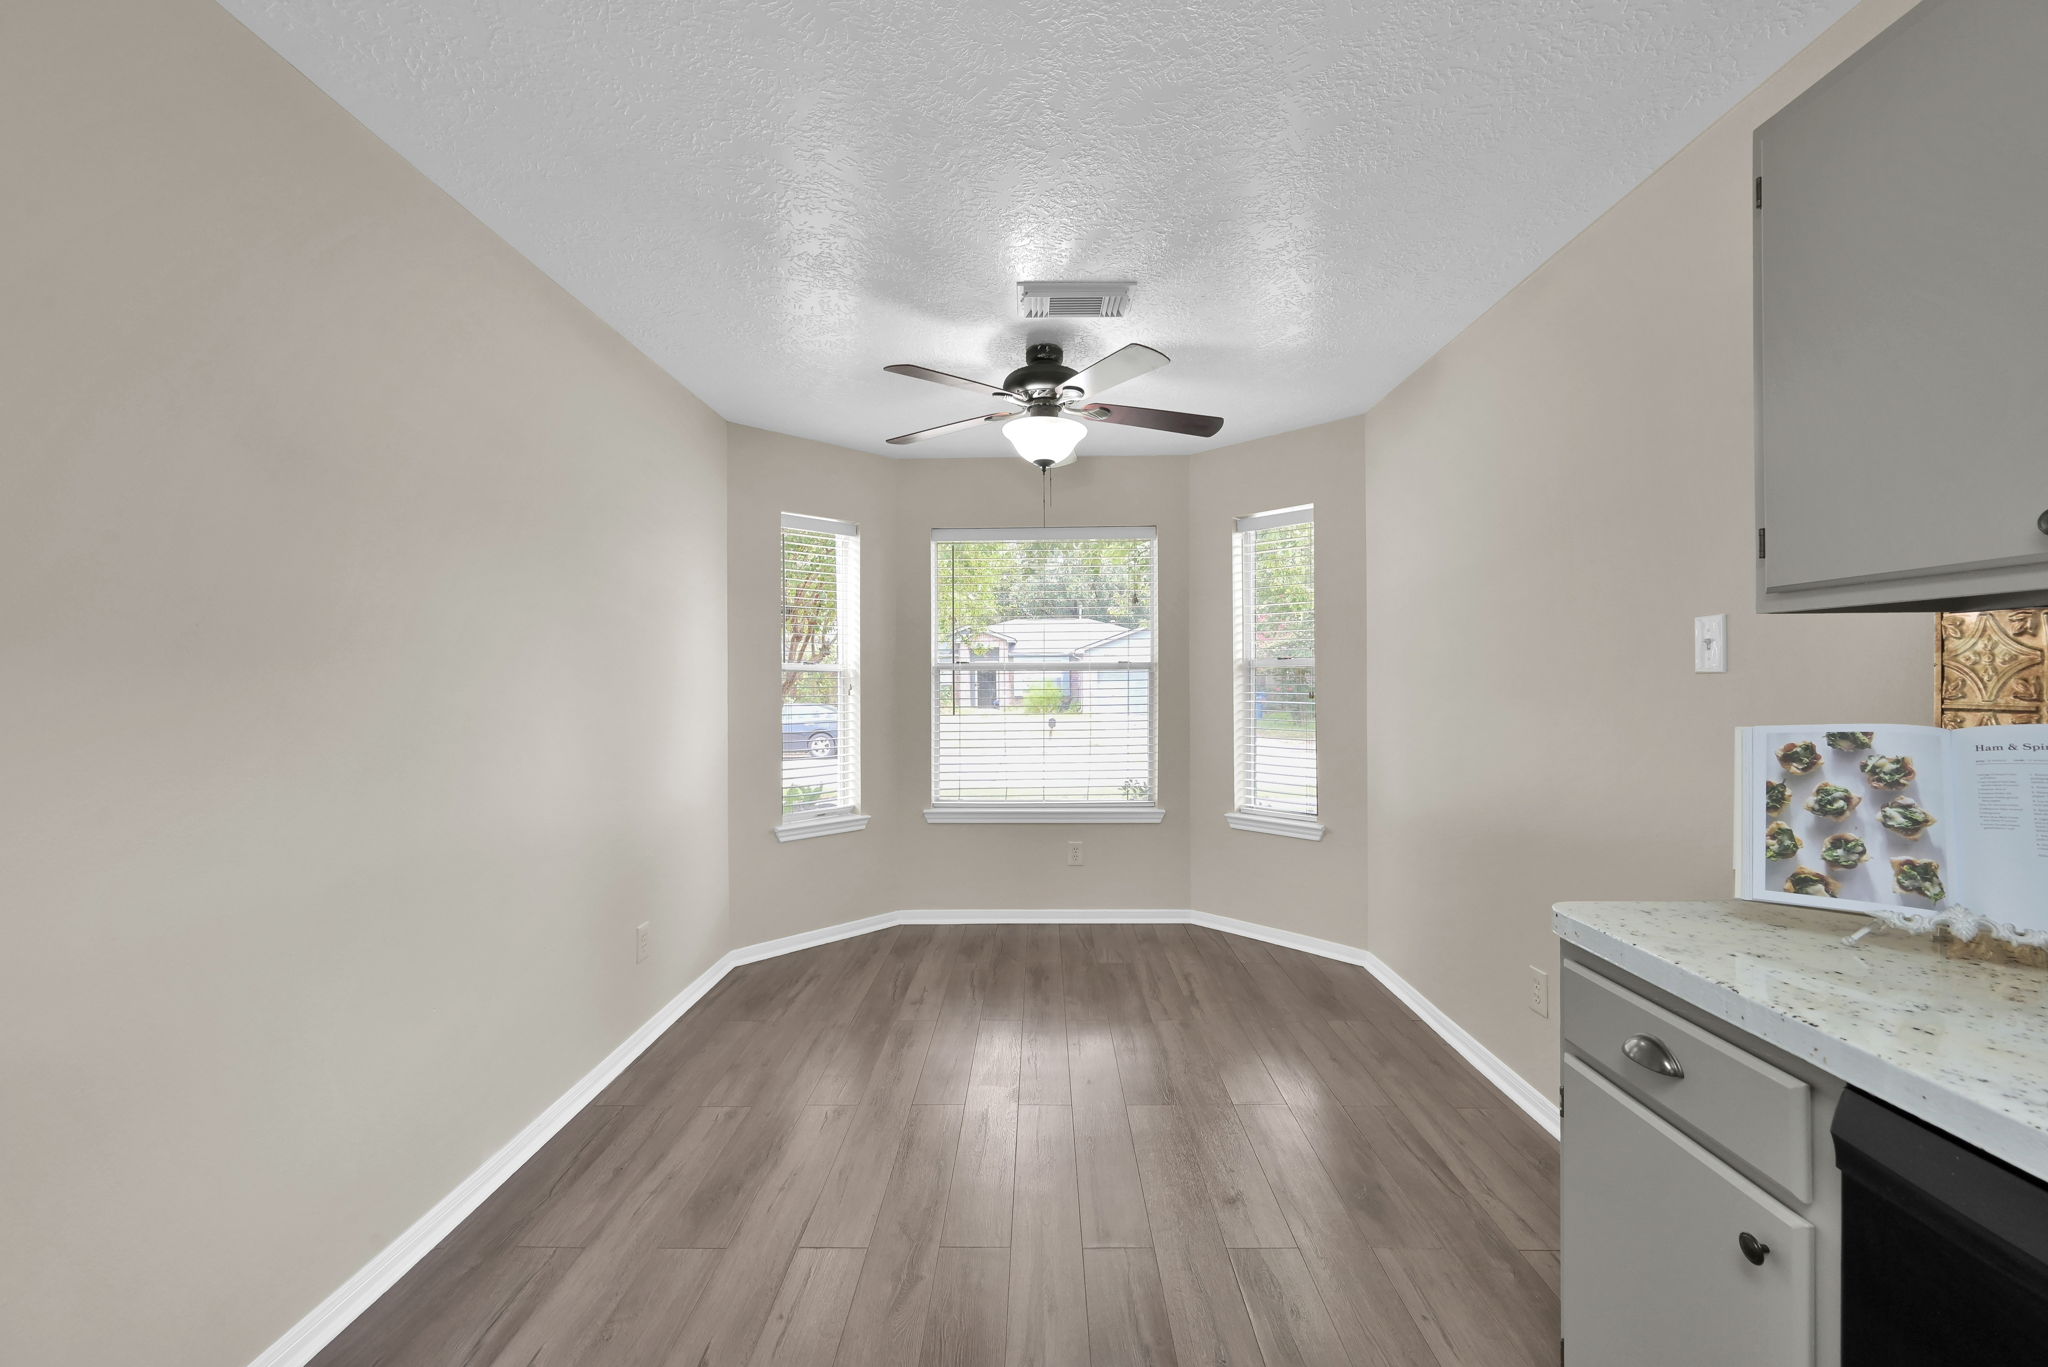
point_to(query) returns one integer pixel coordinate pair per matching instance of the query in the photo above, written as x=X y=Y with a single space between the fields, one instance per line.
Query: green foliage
x=1046 y=696
x=809 y=687
x=800 y=796
x=1282 y=595
x=981 y=583
x=810 y=606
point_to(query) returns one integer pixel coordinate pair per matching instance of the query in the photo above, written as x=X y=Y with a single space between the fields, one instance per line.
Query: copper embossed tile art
x=1988 y=667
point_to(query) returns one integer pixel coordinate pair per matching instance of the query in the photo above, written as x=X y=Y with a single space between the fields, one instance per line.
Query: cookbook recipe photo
x=1897 y=818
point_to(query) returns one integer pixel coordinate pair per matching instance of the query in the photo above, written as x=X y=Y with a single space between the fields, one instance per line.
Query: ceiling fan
x=1047 y=396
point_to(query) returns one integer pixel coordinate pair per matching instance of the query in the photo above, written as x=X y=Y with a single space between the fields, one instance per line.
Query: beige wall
x=899 y=862
x=780 y=889
x=1549 y=503
x=1139 y=867
x=1315 y=887
x=361 y=604
x=1512 y=547
x=364 y=600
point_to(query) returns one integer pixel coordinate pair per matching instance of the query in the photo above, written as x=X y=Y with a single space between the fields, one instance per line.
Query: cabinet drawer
x=1761 y=1115
x=1655 y=1272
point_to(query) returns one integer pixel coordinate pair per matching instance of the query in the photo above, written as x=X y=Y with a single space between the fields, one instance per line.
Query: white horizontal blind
x=820 y=667
x=1042 y=667
x=1276 y=662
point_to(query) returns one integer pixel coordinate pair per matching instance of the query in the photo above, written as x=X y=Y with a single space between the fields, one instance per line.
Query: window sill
x=1097 y=815
x=837 y=824
x=1276 y=823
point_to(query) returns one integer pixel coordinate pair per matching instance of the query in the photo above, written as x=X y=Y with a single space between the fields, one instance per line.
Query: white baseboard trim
x=305 y=1339
x=807 y=939
x=1056 y=917
x=318 y=1328
x=1511 y=1084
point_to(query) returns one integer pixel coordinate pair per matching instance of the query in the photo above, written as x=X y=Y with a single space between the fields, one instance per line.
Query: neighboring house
x=1057 y=643
x=1115 y=690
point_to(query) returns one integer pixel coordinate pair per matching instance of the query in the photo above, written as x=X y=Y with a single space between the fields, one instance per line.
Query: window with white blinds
x=820 y=669
x=1043 y=686
x=1276 y=670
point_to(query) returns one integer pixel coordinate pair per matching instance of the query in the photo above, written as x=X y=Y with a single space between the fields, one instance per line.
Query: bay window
x=1275 y=712
x=1044 y=688
x=820 y=677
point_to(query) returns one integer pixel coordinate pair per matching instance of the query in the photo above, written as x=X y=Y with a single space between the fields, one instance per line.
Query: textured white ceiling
x=775 y=198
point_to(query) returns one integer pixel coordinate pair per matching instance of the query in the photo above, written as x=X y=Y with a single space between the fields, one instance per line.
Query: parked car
x=810 y=728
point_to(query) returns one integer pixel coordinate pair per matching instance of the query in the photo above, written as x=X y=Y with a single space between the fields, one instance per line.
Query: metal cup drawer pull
x=1647 y=1051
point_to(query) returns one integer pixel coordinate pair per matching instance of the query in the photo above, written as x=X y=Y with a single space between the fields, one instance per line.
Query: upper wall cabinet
x=1902 y=321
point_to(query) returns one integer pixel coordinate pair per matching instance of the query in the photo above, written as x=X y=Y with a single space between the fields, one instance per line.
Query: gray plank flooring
x=1019 y=1146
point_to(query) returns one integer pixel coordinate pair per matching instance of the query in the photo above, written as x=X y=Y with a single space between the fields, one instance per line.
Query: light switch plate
x=1710 y=644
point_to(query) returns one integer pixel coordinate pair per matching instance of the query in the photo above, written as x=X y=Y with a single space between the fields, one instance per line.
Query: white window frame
x=943 y=813
x=1247 y=815
x=847 y=816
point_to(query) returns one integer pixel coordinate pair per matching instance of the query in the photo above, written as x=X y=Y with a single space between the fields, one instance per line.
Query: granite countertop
x=1961 y=1044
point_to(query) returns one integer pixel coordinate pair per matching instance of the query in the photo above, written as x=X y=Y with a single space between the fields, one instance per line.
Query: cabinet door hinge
x=1759 y=192
x=1762 y=551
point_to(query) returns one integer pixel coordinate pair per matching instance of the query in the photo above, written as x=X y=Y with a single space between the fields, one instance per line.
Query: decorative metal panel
x=1988 y=667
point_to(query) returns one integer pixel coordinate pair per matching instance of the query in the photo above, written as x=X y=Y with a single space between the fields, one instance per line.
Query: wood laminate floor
x=1118 y=1145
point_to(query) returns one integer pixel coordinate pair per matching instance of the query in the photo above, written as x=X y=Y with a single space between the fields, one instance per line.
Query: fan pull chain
x=1045 y=495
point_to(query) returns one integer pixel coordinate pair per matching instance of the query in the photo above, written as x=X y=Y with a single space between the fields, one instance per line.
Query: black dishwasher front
x=1944 y=1248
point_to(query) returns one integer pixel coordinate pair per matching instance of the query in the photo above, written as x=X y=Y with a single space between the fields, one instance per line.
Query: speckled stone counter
x=1963 y=1045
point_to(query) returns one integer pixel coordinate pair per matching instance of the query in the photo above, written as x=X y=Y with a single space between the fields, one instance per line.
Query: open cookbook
x=1898 y=819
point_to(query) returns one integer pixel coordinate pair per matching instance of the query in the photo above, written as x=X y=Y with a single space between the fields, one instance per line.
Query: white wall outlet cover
x=1539 y=991
x=1710 y=644
x=1074 y=854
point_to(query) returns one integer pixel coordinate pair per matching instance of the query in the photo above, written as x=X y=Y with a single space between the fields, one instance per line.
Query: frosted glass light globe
x=1043 y=438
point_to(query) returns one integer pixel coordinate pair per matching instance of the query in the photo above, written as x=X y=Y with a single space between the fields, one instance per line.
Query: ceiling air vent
x=1073 y=298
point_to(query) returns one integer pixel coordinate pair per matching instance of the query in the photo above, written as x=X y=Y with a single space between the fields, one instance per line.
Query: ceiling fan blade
x=908 y=437
x=918 y=372
x=1125 y=363
x=1161 y=419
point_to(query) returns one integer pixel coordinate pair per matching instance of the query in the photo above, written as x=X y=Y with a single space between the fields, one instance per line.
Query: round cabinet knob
x=2042 y=523
x=1753 y=1248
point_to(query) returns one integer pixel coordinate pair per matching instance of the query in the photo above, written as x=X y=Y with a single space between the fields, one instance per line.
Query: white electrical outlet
x=1073 y=854
x=1710 y=644
x=642 y=933
x=1539 y=991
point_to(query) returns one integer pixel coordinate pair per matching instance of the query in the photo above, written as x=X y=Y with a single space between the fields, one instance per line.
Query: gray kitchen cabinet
x=1760 y=1115
x=1670 y=1256
x=1902 y=321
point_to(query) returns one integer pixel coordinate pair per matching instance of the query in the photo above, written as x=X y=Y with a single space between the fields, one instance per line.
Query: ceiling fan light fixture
x=1043 y=437
x=1051 y=394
